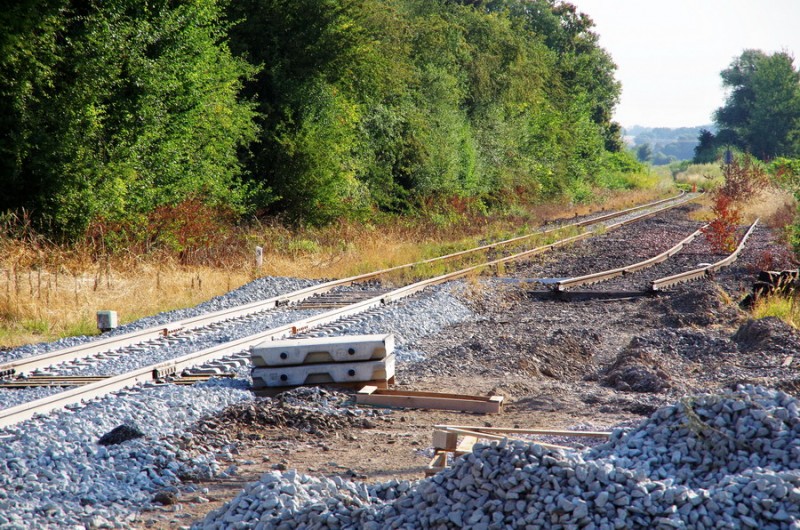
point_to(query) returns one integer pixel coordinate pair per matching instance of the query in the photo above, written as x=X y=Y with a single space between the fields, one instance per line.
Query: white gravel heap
x=712 y=461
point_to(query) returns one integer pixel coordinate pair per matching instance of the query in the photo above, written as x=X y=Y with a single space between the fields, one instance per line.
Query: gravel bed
x=433 y=309
x=53 y=473
x=711 y=461
x=11 y=397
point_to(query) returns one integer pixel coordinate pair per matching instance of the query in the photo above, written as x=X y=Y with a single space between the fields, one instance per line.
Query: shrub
x=743 y=179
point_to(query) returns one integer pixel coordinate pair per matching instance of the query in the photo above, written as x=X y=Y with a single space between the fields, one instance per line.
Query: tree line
x=113 y=112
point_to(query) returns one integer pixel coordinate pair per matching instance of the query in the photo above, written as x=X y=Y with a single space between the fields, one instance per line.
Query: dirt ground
x=602 y=359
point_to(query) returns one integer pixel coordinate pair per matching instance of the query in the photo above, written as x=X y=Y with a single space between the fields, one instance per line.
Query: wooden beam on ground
x=487 y=436
x=370 y=395
x=438 y=463
x=543 y=432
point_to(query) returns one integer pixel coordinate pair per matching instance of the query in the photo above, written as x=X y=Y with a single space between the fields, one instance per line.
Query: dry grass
x=47 y=292
x=40 y=304
x=704 y=176
x=785 y=308
x=775 y=206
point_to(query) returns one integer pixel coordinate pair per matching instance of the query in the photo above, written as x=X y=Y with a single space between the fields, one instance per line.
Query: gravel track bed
x=55 y=475
x=594 y=364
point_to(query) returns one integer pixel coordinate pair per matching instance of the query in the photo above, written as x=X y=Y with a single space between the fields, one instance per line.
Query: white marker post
x=259 y=257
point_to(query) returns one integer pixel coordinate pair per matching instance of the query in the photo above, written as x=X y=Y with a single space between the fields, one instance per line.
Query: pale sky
x=669 y=53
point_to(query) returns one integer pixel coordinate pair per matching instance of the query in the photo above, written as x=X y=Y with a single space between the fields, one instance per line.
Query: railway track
x=597 y=277
x=661 y=283
x=299 y=299
x=702 y=272
x=328 y=311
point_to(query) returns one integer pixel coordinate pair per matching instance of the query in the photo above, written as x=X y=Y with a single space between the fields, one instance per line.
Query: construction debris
x=712 y=461
x=446 y=440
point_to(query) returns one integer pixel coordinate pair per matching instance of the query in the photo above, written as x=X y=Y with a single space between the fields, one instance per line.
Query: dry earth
x=577 y=362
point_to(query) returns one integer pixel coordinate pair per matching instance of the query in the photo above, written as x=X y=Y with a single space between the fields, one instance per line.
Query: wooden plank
x=787 y=361
x=465 y=446
x=543 y=432
x=430 y=394
x=489 y=405
x=487 y=436
x=438 y=463
x=429 y=400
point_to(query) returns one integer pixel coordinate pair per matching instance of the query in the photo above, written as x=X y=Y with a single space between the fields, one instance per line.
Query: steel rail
x=29 y=364
x=19 y=413
x=597 y=277
x=702 y=272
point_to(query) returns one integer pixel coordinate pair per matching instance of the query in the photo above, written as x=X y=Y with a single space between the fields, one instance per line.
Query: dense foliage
x=762 y=112
x=111 y=109
x=115 y=110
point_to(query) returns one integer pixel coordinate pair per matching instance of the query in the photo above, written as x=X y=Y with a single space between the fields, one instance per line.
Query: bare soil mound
x=767 y=335
x=636 y=370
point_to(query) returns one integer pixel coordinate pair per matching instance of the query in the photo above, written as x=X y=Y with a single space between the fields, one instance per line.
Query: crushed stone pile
x=728 y=460
x=309 y=409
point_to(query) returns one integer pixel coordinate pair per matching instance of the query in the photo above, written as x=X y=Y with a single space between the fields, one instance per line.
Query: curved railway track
x=701 y=272
x=659 y=284
x=15 y=414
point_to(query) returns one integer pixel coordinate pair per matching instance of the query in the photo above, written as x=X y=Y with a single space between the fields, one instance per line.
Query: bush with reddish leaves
x=744 y=178
x=194 y=231
x=721 y=231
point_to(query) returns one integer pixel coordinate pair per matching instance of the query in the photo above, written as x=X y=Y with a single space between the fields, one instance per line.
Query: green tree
x=706 y=149
x=136 y=106
x=762 y=111
x=644 y=153
x=29 y=55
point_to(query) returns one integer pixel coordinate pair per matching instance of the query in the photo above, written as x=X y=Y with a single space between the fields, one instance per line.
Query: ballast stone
x=723 y=467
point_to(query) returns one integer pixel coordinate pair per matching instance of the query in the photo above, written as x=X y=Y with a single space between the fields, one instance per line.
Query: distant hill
x=667 y=145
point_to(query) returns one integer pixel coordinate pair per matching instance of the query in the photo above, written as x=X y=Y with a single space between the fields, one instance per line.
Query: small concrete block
x=107 y=320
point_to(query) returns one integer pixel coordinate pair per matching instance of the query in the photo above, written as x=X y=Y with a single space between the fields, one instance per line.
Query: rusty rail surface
x=597 y=277
x=702 y=272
